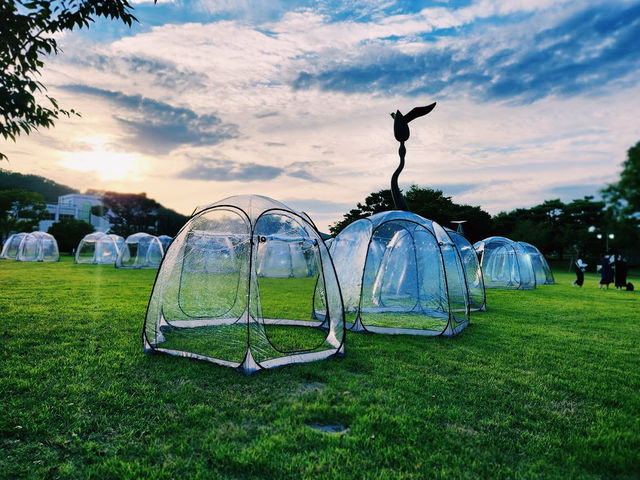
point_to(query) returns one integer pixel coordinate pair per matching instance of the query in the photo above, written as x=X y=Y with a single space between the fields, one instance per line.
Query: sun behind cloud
x=104 y=163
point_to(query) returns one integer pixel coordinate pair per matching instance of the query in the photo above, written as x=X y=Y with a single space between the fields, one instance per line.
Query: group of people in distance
x=612 y=268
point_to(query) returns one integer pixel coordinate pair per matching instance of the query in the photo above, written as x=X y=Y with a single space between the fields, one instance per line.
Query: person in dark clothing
x=580 y=268
x=621 y=272
x=606 y=271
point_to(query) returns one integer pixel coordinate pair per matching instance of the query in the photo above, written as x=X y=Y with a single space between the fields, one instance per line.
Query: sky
x=205 y=99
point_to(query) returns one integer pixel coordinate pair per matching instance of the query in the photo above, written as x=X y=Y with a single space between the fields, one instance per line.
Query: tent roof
x=530 y=248
x=136 y=237
x=95 y=236
x=252 y=205
x=378 y=219
x=41 y=235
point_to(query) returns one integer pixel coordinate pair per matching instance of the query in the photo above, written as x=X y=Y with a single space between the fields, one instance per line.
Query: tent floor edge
x=249 y=364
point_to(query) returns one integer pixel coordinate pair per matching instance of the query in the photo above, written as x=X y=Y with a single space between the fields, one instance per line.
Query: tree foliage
x=131 y=213
x=559 y=229
x=68 y=232
x=29 y=31
x=624 y=195
x=429 y=203
x=20 y=211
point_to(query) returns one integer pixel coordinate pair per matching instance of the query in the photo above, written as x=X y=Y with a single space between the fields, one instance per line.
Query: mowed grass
x=546 y=384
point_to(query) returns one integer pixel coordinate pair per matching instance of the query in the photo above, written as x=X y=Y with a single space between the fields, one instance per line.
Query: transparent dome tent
x=505 y=264
x=401 y=274
x=38 y=247
x=12 y=246
x=31 y=247
x=280 y=258
x=209 y=302
x=140 y=250
x=541 y=269
x=165 y=240
x=99 y=248
x=473 y=272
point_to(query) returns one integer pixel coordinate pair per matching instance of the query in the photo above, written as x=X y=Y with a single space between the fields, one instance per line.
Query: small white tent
x=100 y=248
x=541 y=269
x=38 y=247
x=505 y=264
x=281 y=258
x=31 y=247
x=140 y=250
x=208 y=301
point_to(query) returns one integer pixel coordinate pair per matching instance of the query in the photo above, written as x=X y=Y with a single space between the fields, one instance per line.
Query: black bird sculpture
x=401 y=132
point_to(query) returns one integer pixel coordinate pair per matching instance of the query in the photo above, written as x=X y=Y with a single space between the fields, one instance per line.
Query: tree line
x=558 y=229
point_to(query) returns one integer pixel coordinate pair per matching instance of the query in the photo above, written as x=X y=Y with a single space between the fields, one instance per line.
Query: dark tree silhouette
x=624 y=195
x=68 y=232
x=429 y=203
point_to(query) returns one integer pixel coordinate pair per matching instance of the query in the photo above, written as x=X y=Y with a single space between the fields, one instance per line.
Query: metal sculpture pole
x=401 y=132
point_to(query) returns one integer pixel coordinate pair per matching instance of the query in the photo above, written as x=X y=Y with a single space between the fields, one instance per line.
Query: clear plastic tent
x=473 y=272
x=12 y=246
x=208 y=301
x=165 y=240
x=38 y=247
x=541 y=269
x=100 y=248
x=140 y=250
x=505 y=264
x=280 y=258
x=401 y=274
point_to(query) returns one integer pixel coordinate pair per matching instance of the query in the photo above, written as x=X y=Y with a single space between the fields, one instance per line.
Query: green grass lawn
x=546 y=384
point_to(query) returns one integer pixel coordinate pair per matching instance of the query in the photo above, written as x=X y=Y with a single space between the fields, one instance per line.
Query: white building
x=75 y=205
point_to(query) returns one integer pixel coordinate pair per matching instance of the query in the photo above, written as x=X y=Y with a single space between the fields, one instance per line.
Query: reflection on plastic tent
x=100 y=248
x=210 y=302
x=541 y=269
x=473 y=272
x=286 y=258
x=401 y=274
x=140 y=250
x=505 y=264
x=165 y=240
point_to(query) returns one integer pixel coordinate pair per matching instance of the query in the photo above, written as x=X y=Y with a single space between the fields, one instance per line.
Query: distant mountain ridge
x=49 y=189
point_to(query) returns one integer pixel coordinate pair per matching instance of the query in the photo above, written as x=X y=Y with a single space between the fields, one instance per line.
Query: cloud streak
x=152 y=126
x=584 y=52
x=232 y=171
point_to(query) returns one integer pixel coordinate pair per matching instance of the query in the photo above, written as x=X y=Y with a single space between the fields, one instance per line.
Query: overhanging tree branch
x=27 y=29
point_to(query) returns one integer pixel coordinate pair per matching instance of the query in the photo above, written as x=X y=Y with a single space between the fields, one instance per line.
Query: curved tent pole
x=358 y=325
x=328 y=319
x=200 y=213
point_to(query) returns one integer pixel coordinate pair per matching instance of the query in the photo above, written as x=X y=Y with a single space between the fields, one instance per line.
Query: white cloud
x=516 y=154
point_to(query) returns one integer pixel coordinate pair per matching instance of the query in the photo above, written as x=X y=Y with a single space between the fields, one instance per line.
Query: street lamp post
x=606 y=236
x=459 y=223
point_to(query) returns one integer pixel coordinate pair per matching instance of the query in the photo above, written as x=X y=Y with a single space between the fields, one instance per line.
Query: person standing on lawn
x=580 y=268
x=606 y=271
x=621 y=272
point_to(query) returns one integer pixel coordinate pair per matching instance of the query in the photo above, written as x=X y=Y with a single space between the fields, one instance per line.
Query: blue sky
x=205 y=99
